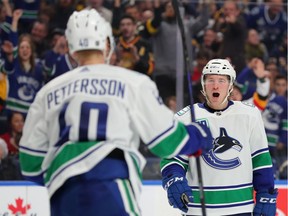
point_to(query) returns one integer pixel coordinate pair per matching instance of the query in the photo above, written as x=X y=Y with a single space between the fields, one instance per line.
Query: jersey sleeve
x=261 y=160
x=155 y=123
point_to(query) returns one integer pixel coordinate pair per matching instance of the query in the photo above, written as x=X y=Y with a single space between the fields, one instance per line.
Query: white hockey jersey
x=81 y=116
x=239 y=149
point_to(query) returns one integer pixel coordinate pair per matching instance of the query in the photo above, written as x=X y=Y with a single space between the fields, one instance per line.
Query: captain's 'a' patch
x=183 y=111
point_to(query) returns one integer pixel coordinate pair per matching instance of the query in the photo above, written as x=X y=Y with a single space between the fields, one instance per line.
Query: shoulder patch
x=183 y=111
x=248 y=104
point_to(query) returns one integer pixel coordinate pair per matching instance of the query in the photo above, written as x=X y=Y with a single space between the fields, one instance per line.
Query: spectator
x=272 y=67
x=3 y=150
x=5 y=25
x=248 y=76
x=144 y=26
x=3 y=90
x=171 y=103
x=236 y=94
x=10 y=169
x=202 y=58
x=39 y=34
x=98 y=5
x=58 y=61
x=133 y=52
x=12 y=137
x=270 y=20
x=25 y=75
x=62 y=11
x=30 y=13
x=145 y=5
x=5 y=22
x=147 y=15
x=280 y=85
x=3 y=11
x=210 y=41
x=279 y=55
x=55 y=35
x=261 y=94
x=232 y=26
x=275 y=122
x=46 y=14
x=165 y=45
x=254 y=48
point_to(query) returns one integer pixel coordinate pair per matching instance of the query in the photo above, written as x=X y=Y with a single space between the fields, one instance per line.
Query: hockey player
x=81 y=135
x=239 y=161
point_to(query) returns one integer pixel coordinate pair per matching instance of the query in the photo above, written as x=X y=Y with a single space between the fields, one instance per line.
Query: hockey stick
x=187 y=72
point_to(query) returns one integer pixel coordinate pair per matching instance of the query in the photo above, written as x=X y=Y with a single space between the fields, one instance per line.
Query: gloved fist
x=200 y=138
x=178 y=192
x=265 y=203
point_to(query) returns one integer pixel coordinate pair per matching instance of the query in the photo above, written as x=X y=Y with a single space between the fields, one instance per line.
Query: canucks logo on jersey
x=222 y=144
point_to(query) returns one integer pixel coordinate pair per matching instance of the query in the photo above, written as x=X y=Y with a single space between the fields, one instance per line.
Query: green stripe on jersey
x=128 y=198
x=261 y=160
x=136 y=167
x=225 y=196
x=27 y=160
x=17 y=104
x=272 y=139
x=66 y=155
x=128 y=192
x=30 y=14
x=168 y=145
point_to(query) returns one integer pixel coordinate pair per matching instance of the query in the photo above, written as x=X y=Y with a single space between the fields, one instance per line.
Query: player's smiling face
x=216 y=87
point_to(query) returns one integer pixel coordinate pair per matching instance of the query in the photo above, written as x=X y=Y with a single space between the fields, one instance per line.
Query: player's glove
x=178 y=192
x=200 y=139
x=265 y=203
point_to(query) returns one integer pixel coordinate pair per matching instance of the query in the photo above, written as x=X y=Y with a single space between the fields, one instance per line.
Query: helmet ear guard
x=87 y=30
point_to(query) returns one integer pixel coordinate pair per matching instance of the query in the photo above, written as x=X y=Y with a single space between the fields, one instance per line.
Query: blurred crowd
x=251 y=34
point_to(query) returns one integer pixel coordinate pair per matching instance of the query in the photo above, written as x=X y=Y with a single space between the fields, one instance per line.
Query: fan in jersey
x=239 y=161
x=82 y=133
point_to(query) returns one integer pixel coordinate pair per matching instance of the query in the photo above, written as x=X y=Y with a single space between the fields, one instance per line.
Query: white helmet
x=220 y=67
x=87 y=30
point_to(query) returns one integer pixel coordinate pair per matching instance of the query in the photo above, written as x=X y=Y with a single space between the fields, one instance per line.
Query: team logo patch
x=248 y=104
x=183 y=111
x=224 y=153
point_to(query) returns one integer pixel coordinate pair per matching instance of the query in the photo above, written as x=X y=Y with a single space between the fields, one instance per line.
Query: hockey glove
x=265 y=203
x=200 y=139
x=178 y=192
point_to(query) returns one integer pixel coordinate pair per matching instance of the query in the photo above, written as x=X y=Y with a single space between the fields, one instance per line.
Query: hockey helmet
x=87 y=30
x=218 y=67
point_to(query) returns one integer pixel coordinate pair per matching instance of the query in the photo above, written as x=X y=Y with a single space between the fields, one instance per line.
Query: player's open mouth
x=216 y=94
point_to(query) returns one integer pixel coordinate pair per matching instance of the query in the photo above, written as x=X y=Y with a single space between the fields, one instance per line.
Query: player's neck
x=218 y=106
x=91 y=59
